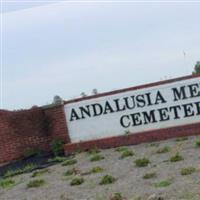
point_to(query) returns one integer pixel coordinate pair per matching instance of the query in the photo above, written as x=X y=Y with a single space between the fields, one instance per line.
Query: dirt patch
x=166 y=183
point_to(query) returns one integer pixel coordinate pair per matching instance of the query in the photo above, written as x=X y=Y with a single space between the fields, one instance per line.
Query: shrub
x=149 y=175
x=164 y=183
x=76 y=181
x=57 y=159
x=29 y=167
x=40 y=172
x=70 y=172
x=107 y=179
x=36 y=183
x=176 y=158
x=198 y=143
x=97 y=170
x=163 y=150
x=127 y=153
x=69 y=162
x=117 y=196
x=94 y=151
x=187 y=171
x=7 y=183
x=143 y=162
x=121 y=149
x=57 y=147
x=96 y=157
x=181 y=139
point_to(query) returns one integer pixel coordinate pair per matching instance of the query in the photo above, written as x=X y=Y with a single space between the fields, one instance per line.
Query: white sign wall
x=134 y=111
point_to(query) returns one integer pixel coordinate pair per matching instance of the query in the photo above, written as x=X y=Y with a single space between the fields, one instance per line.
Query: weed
x=93 y=151
x=7 y=183
x=164 y=183
x=163 y=150
x=97 y=170
x=198 y=143
x=71 y=172
x=127 y=153
x=187 y=171
x=181 y=139
x=96 y=157
x=11 y=173
x=117 y=196
x=77 y=181
x=57 y=147
x=143 y=162
x=40 y=172
x=121 y=149
x=36 y=183
x=26 y=168
x=29 y=167
x=63 y=197
x=107 y=179
x=149 y=175
x=176 y=158
x=127 y=132
x=69 y=162
x=57 y=159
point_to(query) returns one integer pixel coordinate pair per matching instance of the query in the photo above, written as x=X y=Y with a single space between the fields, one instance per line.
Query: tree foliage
x=196 y=68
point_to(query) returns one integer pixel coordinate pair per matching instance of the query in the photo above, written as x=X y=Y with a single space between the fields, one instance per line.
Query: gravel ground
x=130 y=182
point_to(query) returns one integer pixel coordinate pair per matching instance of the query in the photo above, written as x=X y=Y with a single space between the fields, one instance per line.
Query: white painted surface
x=109 y=125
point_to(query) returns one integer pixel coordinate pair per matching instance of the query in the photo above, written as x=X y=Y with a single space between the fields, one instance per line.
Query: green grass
x=142 y=162
x=164 y=149
x=181 y=139
x=57 y=159
x=121 y=149
x=96 y=157
x=117 y=196
x=187 y=171
x=77 y=181
x=127 y=153
x=71 y=172
x=150 y=175
x=176 y=158
x=93 y=151
x=36 y=183
x=97 y=170
x=27 y=168
x=6 y=183
x=107 y=179
x=198 y=143
x=40 y=172
x=164 y=183
x=69 y=162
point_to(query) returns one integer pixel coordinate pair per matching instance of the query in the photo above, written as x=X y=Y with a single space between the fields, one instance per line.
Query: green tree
x=196 y=68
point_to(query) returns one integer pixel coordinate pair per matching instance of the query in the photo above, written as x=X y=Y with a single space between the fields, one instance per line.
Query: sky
x=65 y=48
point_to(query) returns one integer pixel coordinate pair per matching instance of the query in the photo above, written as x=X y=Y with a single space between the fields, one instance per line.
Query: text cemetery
x=171 y=105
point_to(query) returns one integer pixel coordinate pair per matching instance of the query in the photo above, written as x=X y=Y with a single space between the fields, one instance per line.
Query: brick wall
x=38 y=127
x=33 y=128
x=136 y=138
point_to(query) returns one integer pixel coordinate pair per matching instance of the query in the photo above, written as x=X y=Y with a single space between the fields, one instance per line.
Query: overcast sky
x=65 y=48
